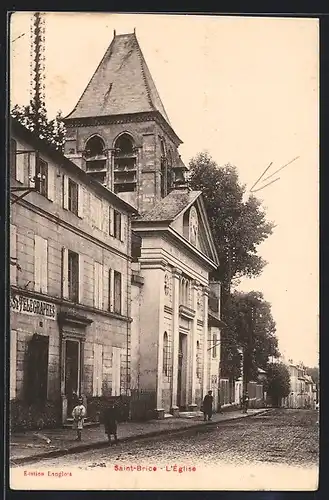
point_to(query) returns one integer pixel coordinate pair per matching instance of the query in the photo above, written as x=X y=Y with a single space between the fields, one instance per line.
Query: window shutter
x=51 y=183
x=98 y=370
x=37 y=262
x=111 y=222
x=96 y=285
x=106 y=289
x=31 y=168
x=101 y=286
x=122 y=228
x=65 y=273
x=81 y=278
x=44 y=265
x=111 y=272
x=116 y=371
x=65 y=192
x=121 y=290
x=13 y=363
x=20 y=167
x=80 y=200
x=13 y=254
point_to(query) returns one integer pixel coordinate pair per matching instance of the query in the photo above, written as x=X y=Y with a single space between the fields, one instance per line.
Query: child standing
x=78 y=414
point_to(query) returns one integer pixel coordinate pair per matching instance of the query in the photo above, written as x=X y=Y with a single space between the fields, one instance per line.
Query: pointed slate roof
x=168 y=208
x=122 y=83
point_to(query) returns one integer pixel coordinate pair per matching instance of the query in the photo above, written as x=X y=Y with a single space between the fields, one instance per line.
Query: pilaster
x=205 y=381
x=110 y=169
x=160 y=282
x=175 y=338
x=195 y=287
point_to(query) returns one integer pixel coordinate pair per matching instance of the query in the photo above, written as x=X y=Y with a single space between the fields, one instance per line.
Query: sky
x=244 y=89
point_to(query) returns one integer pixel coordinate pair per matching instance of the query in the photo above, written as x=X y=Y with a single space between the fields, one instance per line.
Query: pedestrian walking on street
x=219 y=403
x=78 y=414
x=111 y=422
x=245 y=402
x=207 y=406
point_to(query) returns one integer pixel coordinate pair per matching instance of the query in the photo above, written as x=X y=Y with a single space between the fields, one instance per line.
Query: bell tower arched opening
x=95 y=156
x=125 y=170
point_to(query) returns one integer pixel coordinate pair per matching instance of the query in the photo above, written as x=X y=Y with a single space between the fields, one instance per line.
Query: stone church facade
x=120 y=135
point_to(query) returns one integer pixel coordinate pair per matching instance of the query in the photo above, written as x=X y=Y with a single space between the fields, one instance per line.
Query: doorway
x=72 y=372
x=181 y=375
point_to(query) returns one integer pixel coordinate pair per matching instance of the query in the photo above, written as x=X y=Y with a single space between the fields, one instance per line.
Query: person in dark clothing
x=111 y=422
x=245 y=402
x=207 y=406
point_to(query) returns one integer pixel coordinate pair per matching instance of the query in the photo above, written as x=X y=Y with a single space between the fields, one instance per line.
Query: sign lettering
x=27 y=305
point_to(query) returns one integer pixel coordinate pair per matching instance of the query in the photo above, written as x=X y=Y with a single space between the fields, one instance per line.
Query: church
x=120 y=135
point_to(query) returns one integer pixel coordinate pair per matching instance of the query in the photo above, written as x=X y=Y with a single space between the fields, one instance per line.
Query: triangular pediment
x=192 y=223
x=182 y=211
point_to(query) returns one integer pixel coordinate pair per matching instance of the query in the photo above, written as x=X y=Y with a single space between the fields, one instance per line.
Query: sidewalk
x=32 y=445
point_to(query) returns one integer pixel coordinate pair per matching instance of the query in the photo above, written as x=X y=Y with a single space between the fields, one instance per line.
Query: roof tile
x=122 y=83
x=171 y=206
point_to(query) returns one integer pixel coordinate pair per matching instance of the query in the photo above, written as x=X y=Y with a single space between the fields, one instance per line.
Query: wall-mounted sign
x=33 y=307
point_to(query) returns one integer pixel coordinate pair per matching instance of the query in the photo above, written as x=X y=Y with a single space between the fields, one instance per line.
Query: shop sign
x=33 y=307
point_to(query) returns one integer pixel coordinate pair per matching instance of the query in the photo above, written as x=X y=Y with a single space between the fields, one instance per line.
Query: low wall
x=36 y=416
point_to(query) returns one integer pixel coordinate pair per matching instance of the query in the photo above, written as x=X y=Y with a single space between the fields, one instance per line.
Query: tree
x=53 y=131
x=238 y=227
x=277 y=382
x=251 y=331
x=314 y=373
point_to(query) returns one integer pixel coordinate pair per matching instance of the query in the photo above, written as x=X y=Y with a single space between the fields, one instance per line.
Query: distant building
x=302 y=394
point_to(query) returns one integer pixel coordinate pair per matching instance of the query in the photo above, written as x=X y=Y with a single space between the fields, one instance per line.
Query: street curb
x=105 y=444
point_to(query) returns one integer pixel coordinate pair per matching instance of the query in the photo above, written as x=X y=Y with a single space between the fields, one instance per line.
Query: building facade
x=177 y=351
x=119 y=134
x=302 y=394
x=70 y=283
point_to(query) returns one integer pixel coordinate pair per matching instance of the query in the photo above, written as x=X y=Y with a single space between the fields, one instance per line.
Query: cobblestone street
x=283 y=440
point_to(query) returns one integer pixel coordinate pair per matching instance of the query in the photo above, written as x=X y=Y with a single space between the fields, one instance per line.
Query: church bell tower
x=119 y=131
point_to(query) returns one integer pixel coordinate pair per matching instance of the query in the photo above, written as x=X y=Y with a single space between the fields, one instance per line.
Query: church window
x=95 y=157
x=165 y=354
x=185 y=292
x=125 y=160
x=193 y=226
